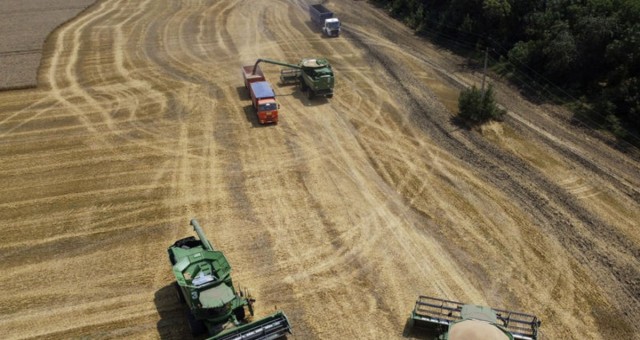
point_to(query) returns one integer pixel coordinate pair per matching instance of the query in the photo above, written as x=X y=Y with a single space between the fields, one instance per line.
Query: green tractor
x=314 y=75
x=203 y=283
x=450 y=320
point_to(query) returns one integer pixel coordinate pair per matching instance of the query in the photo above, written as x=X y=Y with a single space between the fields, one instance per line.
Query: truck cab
x=264 y=101
x=267 y=111
x=331 y=27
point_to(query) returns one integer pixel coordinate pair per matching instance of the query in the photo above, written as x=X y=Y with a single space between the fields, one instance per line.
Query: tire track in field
x=67 y=89
x=375 y=89
x=130 y=93
x=28 y=110
x=309 y=212
x=338 y=259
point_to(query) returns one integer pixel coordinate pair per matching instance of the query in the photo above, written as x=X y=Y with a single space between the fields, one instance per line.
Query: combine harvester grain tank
x=451 y=320
x=204 y=284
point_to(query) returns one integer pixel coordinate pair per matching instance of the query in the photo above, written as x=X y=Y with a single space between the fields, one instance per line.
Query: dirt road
x=341 y=215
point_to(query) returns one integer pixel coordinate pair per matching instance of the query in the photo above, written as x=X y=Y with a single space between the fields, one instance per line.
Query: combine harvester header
x=451 y=320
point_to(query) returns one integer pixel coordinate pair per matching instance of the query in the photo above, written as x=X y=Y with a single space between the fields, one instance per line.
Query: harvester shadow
x=410 y=332
x=173 y=320
x=313 y=27
x=304 y=99
x=296 y=92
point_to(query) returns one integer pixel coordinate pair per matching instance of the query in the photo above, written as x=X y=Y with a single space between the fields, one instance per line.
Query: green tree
x=496 y=9
x=561 y=53
x=589 y=48
x=476 y=107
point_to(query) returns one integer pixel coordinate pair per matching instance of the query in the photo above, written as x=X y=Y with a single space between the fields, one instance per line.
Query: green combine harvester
x=313 y=74
x=203 y=283
x=450 y=320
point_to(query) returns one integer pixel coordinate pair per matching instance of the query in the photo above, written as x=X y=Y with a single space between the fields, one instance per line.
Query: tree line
x=589 y=48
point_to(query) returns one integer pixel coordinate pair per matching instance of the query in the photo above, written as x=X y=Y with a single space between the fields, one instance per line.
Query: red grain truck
x=262 y=96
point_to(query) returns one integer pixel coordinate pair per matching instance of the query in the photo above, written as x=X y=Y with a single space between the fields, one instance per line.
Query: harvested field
x=340 y=215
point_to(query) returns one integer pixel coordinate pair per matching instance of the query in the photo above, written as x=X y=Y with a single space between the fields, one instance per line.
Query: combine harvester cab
x=204 y=284
x=451 y=320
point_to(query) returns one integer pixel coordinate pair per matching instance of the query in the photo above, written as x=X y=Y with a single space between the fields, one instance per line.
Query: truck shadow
x=173 y=321
x=313 y=27
x=243 y=93
x=304 y=98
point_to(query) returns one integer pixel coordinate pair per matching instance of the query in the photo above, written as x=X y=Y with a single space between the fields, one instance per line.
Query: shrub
x=476 y=108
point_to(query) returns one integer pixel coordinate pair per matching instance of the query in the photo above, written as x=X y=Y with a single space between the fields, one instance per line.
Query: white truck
x=322 y=16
